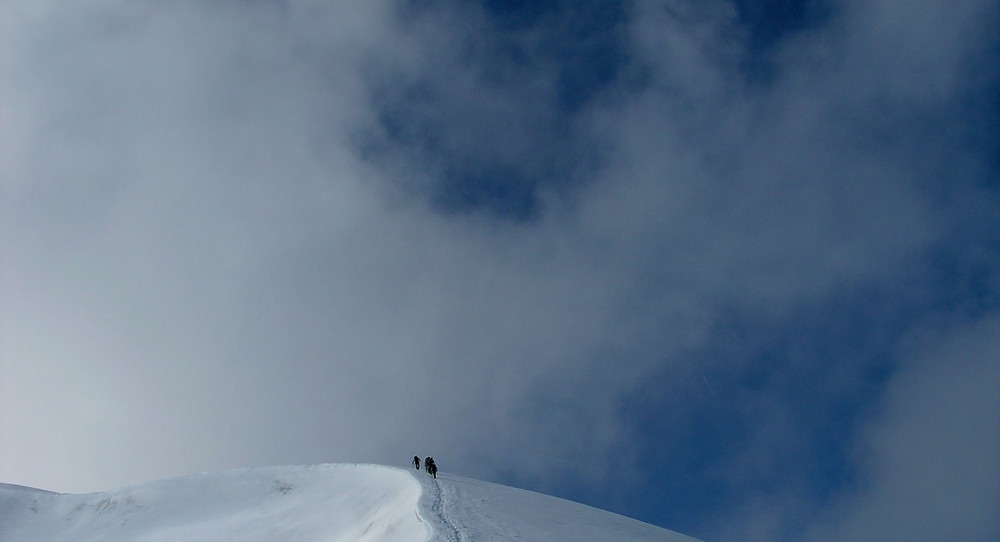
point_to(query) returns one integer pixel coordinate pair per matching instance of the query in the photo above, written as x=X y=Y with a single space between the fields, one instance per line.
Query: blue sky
x=731 y=268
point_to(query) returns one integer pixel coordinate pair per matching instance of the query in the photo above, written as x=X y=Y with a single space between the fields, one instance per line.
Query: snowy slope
x=320 y=503
x=330 y=502
x=463 y=510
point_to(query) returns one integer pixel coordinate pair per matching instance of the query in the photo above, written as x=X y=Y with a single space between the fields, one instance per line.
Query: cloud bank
x=549 y=246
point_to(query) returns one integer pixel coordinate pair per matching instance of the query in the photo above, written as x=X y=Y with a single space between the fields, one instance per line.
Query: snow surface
x=329 y=503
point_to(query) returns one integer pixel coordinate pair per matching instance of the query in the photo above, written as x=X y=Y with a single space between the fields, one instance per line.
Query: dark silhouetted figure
x=427 y=464
x=431 y=467
x=416 y=462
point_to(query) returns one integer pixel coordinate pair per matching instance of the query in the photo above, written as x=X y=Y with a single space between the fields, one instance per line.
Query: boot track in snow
x=441 y=499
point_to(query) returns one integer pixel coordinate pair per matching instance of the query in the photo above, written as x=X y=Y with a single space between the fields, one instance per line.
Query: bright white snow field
x=328 y=503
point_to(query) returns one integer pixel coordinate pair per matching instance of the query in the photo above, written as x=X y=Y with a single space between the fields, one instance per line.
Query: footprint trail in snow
x=443 y=500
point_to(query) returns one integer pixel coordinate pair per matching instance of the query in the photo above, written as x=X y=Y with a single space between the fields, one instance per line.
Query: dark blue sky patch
x=964 y=282
x=401 y=122
x=583 y=41
x=980 y=113
x=768 y=23
x=790 y=392
x=549 y=59
x=799 y=385
x=500 y=190
x=505 y=176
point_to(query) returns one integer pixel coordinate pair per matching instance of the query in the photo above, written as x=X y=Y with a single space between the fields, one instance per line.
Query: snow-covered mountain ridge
x=338 y=502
